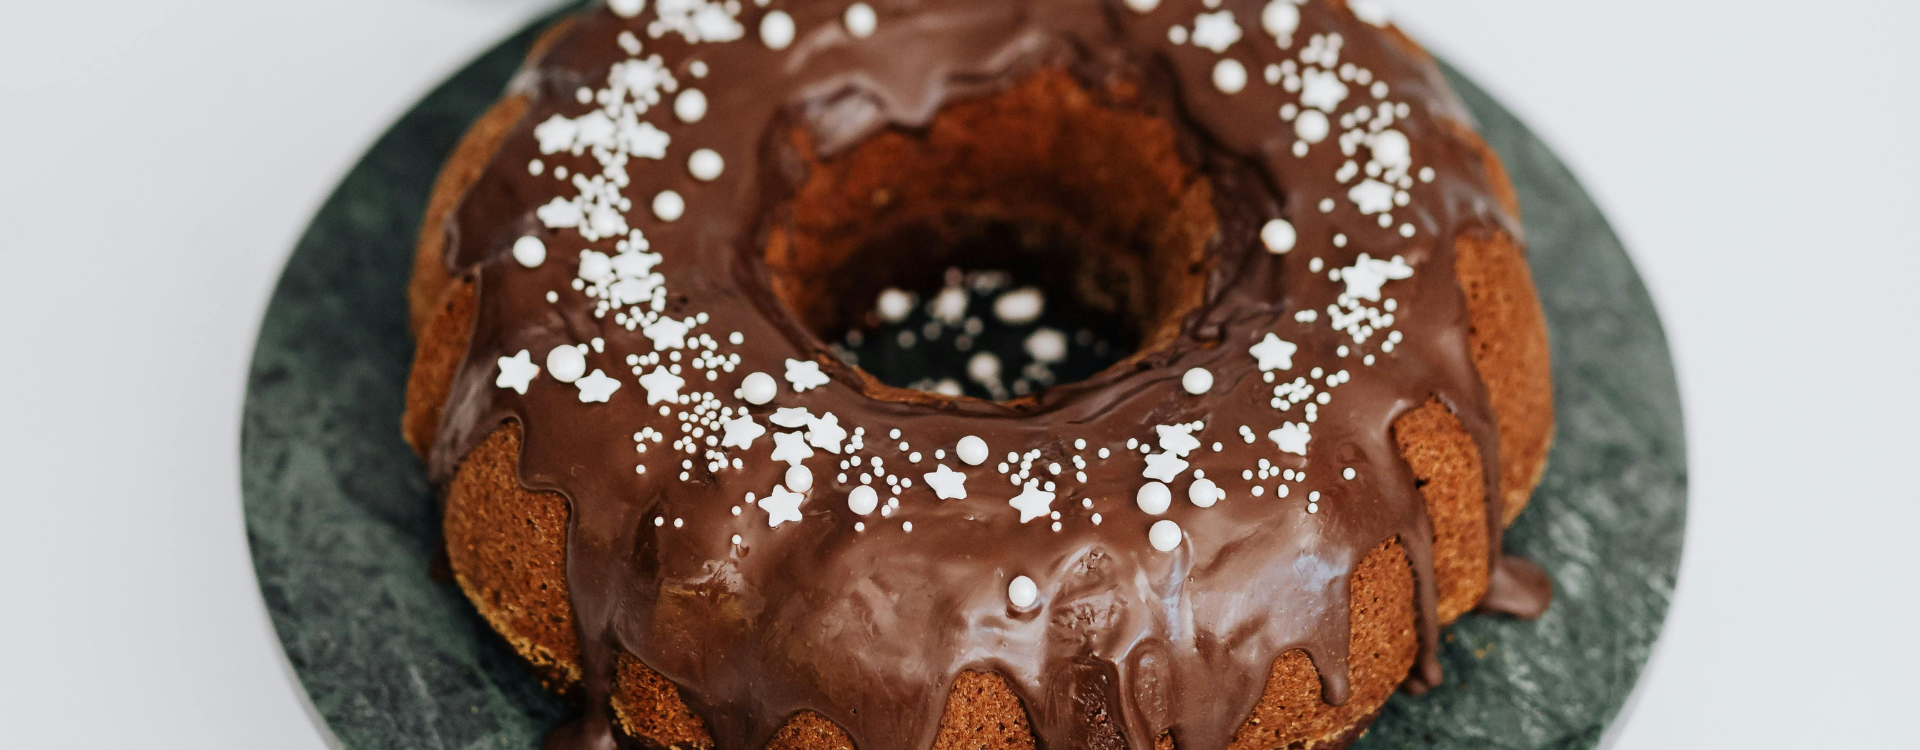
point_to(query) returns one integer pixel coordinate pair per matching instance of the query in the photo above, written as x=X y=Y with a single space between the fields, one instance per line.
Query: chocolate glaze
x=869 y=628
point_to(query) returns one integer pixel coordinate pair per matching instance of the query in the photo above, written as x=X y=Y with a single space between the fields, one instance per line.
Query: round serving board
x=343 y=529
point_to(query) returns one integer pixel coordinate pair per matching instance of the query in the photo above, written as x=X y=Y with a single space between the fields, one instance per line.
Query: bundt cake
x=991 y=374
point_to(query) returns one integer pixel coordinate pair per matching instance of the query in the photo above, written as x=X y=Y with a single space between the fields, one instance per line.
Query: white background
x=158 y=159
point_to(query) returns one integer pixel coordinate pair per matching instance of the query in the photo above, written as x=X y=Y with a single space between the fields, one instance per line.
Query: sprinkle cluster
x=720 y=414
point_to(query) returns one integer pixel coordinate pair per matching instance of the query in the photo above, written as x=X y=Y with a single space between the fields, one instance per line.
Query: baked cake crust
x=507 y=537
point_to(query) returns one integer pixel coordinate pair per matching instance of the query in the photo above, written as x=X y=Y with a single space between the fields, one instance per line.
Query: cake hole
x=1024 y=240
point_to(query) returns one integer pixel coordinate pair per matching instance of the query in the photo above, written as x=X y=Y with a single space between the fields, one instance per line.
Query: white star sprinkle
x=781 y=506
x=1365 y=277
x=1292 y=438
x=741 y=432
x=1164 y=467
x=1032 y=502
x=596 y=388
x=794 y=417
x=1177 y=439
x=661 y=386
x=791 y=447
x=517 y=371
x=667 y=333
x=805 y=375
x=1215 y=31
x=825 y=433
x=947 y=483
x=1273 y=353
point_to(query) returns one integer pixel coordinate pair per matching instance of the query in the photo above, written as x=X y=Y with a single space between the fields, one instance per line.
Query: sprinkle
x=1273 y=353
x=805 y=375
x=759 y=388
x=1291 y=437
x=690 y=106
x=706 y=165
x=1215 y=31
x=972 y=450
x=1373 y=12
x=530 y=251
x=1032 y=502
x=669 y=206
x=799 y=478
x=1280 y=19
x=1047 y=346
x=1229 y=76
x=566 y=364
x=741 y=432
x=1164 y=535
x=1022 y=593
x=1312 y=126
x=662 y=385
x=894 y=305
x=1278 y=235
x=1204 y=493
x=776 y=30
x=1348 y=473
x=791 y=447
x=782 y=506
x=517 y=372
x=1164 y=466
x=1020 y=306
x=947 y=484
x=626 y=8
x=1143 y=6
x=1153 y=498
x=1197 y=381
x=861 y=20
x=862 y=500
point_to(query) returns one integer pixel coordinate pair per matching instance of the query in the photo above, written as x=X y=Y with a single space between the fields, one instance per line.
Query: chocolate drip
x=1518 y=588
x=870 y=628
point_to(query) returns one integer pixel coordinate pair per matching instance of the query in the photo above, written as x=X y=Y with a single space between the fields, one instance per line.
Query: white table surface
x=158 y=159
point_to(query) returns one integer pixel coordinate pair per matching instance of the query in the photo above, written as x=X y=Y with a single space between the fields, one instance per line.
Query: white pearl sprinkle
x=862 y=500
x=799 y=478
x=1204 y=493
x=530 y=251
x=566 y=364
x=1164 y=535
x=1153 y=498
x=706 y=165
x=861 y=20
x=1229 y=76
x=1279 y=236
x=690 y=105
x=759 y=388
x=1197 y=381
x=626 y=8
x=1312 y=126
x=1022 y=592
x=1143 y=6
x=972 y=450
x=669 y=206
x=776 y=30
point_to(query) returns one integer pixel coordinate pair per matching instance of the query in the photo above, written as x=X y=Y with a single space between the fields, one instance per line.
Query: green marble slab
x=342 y=528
